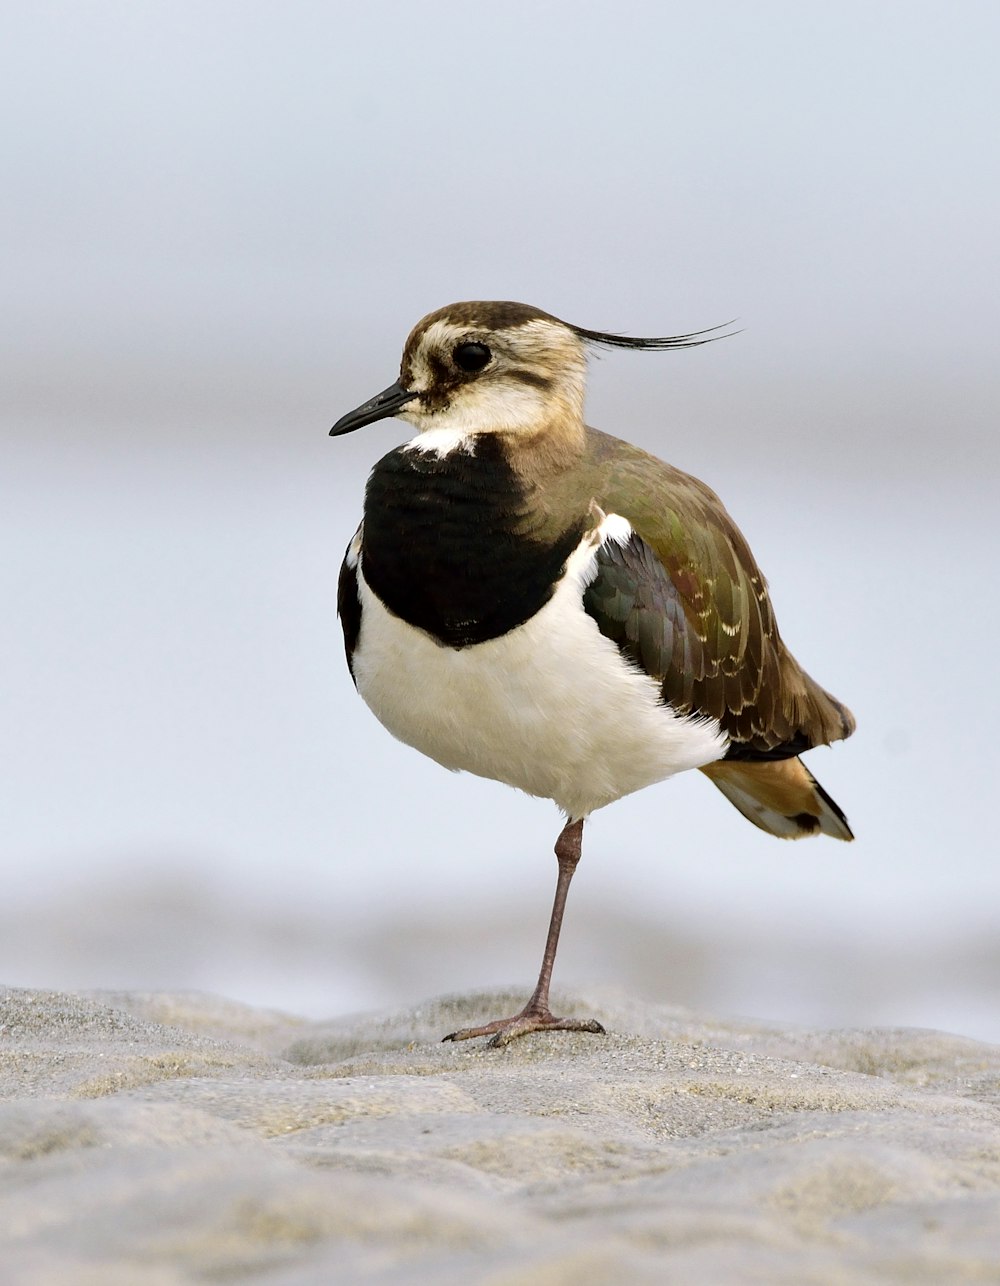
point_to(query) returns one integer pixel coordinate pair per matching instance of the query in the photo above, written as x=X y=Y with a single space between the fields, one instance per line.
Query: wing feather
x=684 y=600
x=349 y=601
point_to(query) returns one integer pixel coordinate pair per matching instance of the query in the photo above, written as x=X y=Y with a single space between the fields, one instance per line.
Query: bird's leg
x=536 y=1014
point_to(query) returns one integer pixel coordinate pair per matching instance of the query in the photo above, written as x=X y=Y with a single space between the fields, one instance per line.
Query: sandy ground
x=175 y=1138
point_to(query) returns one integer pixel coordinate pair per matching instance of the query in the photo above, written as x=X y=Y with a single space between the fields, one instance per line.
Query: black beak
x=380 y=407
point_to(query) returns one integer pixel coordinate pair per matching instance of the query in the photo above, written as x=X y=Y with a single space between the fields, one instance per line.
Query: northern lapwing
x=532 y=600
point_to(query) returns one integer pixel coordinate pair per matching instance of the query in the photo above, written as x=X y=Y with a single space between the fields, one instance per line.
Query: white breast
x=551 y=707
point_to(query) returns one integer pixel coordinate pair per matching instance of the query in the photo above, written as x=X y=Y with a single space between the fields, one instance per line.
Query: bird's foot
x=504 y=1030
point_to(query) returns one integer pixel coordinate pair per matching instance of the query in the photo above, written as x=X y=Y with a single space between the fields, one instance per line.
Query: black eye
x=471 y=357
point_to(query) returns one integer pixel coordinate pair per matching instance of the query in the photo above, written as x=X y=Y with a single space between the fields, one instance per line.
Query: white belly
x=551 y=707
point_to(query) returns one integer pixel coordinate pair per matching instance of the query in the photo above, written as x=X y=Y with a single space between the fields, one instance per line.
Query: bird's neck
x=539 y=454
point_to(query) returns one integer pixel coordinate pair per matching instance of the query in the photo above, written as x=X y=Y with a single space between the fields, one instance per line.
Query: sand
x=174 y=1138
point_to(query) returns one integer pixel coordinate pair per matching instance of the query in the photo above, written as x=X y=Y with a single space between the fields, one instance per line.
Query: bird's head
x=495 y=367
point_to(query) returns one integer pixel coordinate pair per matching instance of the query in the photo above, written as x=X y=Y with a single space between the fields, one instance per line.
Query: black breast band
x=445 y=547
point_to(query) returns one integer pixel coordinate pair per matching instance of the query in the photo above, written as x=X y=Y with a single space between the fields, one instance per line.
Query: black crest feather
x=657 y=344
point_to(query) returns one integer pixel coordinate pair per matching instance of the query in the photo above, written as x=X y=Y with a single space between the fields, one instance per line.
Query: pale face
x=495 y=367
x=474 y=379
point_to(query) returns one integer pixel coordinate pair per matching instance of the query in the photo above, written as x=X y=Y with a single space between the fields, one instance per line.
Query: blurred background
x=220 y=221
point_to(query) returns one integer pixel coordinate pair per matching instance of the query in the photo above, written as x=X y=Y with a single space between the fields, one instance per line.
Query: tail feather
x=780 y=796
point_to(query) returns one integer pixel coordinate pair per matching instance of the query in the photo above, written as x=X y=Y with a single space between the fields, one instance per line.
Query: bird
x=535 y=601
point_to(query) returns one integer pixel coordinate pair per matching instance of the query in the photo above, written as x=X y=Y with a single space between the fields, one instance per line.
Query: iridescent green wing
x=684 y=600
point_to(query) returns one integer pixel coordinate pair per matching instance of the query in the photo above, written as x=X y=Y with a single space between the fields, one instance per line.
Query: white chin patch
x=441 y=441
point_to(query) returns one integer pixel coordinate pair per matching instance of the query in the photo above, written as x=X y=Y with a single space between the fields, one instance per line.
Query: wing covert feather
x=684 y=600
